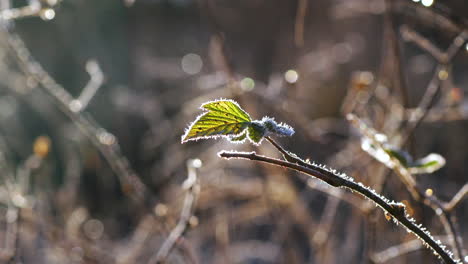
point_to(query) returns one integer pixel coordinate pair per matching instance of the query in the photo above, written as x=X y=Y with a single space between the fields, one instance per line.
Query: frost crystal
x=280 y=129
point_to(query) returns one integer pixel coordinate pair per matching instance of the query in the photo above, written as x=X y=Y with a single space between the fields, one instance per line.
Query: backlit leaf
x=256 y=132
x=239 y=138
x=222 y=118
x=401 y=155
x=428 y=164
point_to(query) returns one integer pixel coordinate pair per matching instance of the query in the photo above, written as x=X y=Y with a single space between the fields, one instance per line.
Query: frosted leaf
x=222 y=118
x=256 y=132
x=239 y=138
x=225 y=118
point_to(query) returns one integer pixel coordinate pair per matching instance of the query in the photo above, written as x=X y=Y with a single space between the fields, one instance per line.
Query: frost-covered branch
x=394 y=209
x=395 y=159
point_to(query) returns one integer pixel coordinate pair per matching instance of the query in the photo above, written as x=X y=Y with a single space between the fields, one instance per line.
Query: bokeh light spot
x=291 y=76
x=191 y=63
x=247 y=84
x=75 y=106
x=106 y=138
x=193 y=221
x=443 y=75
x=429 y=192
x=196 y=163
x=93 y=229
x=41 y=146
x=19 y=200
x=161 y=209
x=427 y=2
x=47 y=14
x=52 y=2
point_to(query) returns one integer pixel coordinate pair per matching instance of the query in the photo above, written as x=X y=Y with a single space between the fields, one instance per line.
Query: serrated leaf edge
x=205 y=111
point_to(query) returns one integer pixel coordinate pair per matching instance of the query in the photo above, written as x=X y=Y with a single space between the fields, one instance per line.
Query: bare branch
x=461 y=194
x=35 y=8
x=95 y=82
x=412 y=36
x=299 y=24
x=398 y=250
x=192 y=185
x=104 y=141
x=11 y=234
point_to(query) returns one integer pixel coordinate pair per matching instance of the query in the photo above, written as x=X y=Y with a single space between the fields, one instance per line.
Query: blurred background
x=95 y=96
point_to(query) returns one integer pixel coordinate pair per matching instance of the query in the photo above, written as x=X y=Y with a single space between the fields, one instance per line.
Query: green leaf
x=238 y=139
x=223 y=118
x=256 y=132
x=401 y=155
x=428 y=164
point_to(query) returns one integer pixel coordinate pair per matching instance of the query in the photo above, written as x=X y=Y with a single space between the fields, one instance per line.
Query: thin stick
x=425 y=105
x=299 y=24
x=192 y=186
x=462 y=193
x=440 y=75
x=104 y=141
x=95 y=82
x=399 y=250
x=400 y=78
x=11 y=234
x=412 y=36
x=286 y=155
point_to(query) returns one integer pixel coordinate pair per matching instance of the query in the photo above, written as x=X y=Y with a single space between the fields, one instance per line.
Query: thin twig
x=192 y=186
x=443 y=57
x=12 y=212
x=326 y=221
x=138 y=241
x=11 y=234
x=286 y=155
x=424 y=107
x=461 y=194
x=399 y=250
x=104 y=141
x=440 y=75
x=436 y=16
x=412 y=36
x=95 y=82
x=400 y=78
x=33 y=9
x=396 y=210
x=300 y=21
